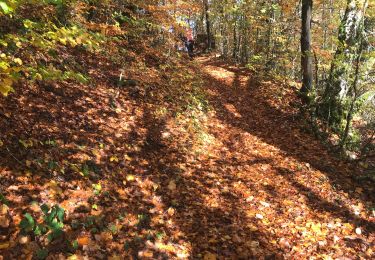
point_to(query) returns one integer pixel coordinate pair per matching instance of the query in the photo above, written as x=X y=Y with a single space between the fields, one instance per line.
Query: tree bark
x=234 y=50
x=306 y=58
x=349 y=117
x=208 y=26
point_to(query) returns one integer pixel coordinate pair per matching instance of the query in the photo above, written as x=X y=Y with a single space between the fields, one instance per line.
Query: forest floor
x=251 y=183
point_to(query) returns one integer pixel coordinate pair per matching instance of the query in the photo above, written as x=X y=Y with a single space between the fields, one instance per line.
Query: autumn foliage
x=115 y=145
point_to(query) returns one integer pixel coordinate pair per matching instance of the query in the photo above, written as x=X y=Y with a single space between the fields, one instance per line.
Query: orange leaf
x=83 y=241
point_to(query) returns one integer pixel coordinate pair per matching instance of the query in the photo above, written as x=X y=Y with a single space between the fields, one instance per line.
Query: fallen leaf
x=316 y=228
x=209 y=256
x=28 y=163
x=113 y=159
x=249 y=199
x=4 y=209
x=4 y=245
x=4 y=222
x=83 y=241
x=114 y=257
x=104 y=236
x=284 y=243
x=172 y=185
x=171 y=211
x=252 y=227
x=145 y=254
x=24 y=240
x=164 y=247
x=130 y=177
x=252 y=244
x=236 y=239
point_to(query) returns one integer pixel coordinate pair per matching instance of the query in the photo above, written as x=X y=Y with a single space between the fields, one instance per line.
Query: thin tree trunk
x=325 y=25
x=351 y=109
x=316 y=68
x=270 y=34
x=208 y=26
x=234 y=51
x=306 y=58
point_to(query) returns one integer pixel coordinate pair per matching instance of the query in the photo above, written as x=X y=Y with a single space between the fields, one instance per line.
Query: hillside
x=140 y=176
x=115 y=144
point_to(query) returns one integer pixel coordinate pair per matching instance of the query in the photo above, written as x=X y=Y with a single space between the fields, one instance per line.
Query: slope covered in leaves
x=281 y=191
x=80 y=145
x=157 y=168
x=174 y=159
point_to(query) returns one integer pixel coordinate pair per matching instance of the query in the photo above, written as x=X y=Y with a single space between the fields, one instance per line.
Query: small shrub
x=52 y=225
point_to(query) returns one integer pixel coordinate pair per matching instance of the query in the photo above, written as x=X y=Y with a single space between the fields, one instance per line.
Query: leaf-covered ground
x=198 y=161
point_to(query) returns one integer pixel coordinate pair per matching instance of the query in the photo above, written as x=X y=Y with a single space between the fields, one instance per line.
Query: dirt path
x=268 y=188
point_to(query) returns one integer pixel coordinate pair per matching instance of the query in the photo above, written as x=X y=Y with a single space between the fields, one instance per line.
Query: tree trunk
x=234 y=50
x=271 y=21
x=349 y=117
x=306 y=58
x=208 y=26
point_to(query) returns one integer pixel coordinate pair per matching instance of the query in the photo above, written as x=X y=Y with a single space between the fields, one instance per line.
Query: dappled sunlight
x=280 y=191
x=232 y=110
x=212 y=200
x=243 y=82
x=233 y=179
x=218 y=73
x=148 y=129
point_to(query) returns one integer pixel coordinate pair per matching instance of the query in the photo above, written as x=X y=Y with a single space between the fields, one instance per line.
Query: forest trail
x=249 y=182
x=117 y=143
x=269 y=188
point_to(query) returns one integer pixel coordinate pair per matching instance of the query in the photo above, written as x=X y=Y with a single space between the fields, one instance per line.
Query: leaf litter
x=155 y=177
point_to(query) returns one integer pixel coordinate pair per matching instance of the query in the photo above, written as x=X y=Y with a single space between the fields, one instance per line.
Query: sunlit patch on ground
x=231 y=108
x=218 y=73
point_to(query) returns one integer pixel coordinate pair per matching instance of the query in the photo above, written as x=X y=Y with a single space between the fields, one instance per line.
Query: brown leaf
x=209 y=256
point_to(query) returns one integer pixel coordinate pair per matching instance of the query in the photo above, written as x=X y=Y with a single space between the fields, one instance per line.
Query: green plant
x=97 y=188
x=3 y=199
x=5 y=8
x=42 y=253
x=9 y=72
x=52 y=225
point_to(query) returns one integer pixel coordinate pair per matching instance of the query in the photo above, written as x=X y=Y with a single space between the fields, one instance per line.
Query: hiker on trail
x=190 y=43
x=190 y=48
x=184 y=41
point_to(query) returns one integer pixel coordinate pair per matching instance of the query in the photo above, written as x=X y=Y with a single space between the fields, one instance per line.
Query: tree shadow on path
x=268 y=112
x=202 y=213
